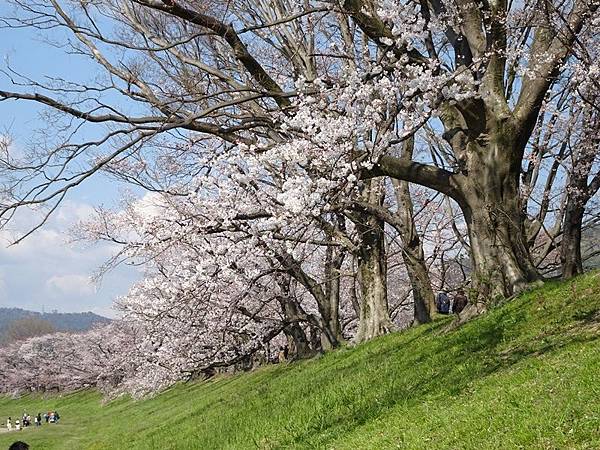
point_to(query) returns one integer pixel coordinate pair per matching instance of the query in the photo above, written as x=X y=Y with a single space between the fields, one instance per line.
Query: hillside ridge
x=62 y=321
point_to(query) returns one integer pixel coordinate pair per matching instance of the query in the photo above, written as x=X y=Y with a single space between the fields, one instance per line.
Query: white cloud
x=72 y=212
x=46 y=270
x=70 y=285
x=150 y=205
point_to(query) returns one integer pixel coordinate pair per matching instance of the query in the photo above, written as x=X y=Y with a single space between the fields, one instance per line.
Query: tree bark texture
x=334 y=258
x=570 y=245
x=412 y=248
x=374 y=317
x=494 y=214
x=299 y=345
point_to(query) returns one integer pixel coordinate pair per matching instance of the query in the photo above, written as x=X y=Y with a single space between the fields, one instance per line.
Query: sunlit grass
x=526 y=375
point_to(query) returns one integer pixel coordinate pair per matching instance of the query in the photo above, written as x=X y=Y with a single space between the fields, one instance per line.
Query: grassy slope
x=526 y=375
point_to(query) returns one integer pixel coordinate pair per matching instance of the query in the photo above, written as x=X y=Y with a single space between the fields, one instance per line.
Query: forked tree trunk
x=299 y=345
x=487 y=190
x=412 y=249
x=295 y=316
x=327 y=302
x=488 y=133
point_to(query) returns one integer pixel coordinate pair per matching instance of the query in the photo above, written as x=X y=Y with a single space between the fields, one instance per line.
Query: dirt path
x=5 y=430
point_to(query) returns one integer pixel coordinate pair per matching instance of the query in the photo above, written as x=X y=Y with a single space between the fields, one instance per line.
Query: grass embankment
x=525 y=375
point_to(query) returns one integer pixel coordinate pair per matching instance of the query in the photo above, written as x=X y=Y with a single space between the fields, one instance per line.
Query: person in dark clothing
x=19 y=445
x=442 y=302
x=460 y=302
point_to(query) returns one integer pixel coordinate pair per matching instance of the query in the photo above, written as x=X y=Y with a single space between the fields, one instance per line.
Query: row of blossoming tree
x=314 y=171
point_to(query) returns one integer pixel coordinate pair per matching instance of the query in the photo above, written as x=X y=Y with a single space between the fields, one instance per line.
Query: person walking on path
x=39 y=420
x=9 y=424
x=460 y=302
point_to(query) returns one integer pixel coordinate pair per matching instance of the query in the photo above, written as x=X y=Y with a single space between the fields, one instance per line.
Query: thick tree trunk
x=374 y=317
x=299 y=345
x=495 y=220
x=423 y=297
x=570 y=245
x=487 y=190
x=488 y=141
x=579 y=194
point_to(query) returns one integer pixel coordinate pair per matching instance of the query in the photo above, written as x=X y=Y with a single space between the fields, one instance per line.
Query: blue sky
x=46 y=271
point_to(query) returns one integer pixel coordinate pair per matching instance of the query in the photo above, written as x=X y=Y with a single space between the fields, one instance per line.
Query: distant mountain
x=60 y=321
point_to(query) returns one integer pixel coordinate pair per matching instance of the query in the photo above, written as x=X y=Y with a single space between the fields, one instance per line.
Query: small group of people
x=25 y=421
x=51 y=417
x=444 y=305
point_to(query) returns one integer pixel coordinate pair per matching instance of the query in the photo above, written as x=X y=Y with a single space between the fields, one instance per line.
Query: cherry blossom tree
x=311 y=106
x=62 y=361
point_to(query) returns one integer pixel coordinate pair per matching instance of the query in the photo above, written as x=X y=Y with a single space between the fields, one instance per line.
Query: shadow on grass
x=447 y=364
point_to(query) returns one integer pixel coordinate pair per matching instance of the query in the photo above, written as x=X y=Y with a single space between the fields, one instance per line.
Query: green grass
x=525 y=375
